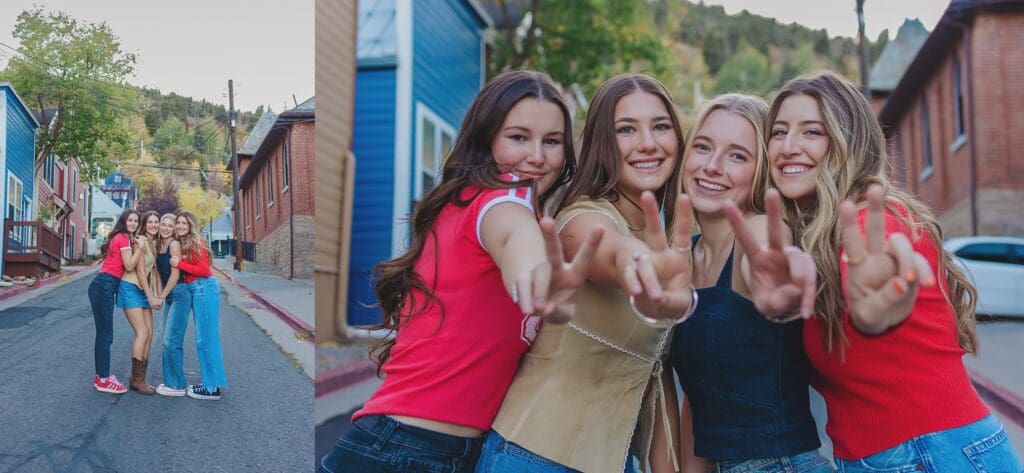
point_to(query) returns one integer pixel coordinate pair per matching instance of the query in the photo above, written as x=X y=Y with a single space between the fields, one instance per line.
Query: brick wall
x=274 y=252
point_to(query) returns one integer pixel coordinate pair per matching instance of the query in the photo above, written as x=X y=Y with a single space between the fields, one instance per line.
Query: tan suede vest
x=145 y=265
x=582 y=387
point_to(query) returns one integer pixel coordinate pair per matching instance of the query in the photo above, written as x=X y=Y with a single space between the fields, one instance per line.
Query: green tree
x=580 y=43
x=171 y=133
x=79 y=69
x=747 y=71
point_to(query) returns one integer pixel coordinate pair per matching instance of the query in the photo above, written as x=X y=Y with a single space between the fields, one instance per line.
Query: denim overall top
x=163 y=265
x=746 y=378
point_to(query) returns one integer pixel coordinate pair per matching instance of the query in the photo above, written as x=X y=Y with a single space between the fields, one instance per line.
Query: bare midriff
x=442 y=427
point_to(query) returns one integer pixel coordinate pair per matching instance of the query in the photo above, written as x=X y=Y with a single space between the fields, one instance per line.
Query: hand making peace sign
x=783 y=279
x=550 y=289
x=884 y=276
x=659 y=274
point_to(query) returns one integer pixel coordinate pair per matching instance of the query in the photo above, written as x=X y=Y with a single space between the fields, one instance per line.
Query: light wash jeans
x=807 y=462
x=206 y=310
x=176 y=308
x=501 y=456
x=978 y=447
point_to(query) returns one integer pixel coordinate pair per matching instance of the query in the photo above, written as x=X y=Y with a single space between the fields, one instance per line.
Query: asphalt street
x=52 y=419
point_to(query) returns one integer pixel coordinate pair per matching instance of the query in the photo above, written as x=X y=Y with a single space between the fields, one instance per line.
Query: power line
x=163 y=166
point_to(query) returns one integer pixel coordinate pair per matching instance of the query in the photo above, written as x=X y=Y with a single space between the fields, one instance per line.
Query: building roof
x=103 y=205
x=45 y=118
x=21 y=102
x=258 y=132
x=897 y=55
x=933 y=52
x=304 y=109
x=221 y=228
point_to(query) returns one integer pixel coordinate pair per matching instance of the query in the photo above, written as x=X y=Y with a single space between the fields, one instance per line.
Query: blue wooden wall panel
x=20 y=145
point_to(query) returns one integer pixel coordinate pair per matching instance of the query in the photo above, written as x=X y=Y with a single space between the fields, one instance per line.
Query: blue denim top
x=746 y=378
x=163 y=265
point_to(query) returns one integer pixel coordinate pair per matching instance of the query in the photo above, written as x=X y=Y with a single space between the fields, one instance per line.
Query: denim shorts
x=807 y=462
x=501 y=456
x=378 y=443
x=978 y=447
x=130 y=296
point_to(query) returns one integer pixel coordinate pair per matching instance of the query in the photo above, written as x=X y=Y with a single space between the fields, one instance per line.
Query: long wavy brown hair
x=854 y=161
x=400 y=291
x=598 y=176
x=192 y=244
x=120 y=227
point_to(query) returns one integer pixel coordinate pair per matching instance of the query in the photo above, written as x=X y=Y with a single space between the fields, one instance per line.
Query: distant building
x=894 y=60
x=26 y=244
x=121 y=190
x=419 y=66
x=105 y=213
x=276 y=167
x=61 y=196
x=220 y=234
x=955 y=119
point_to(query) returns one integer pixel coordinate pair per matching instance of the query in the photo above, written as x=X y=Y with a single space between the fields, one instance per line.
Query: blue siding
x=373 y=143
x=21 y=132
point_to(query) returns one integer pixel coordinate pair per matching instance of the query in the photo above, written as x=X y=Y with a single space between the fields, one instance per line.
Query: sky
x=839 y=17
x=192 y=47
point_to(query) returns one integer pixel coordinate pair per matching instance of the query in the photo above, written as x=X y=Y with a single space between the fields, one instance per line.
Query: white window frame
x=13 y=183
x=286 y=164
x=441 y=128
x=270 y=182
x=258 y=198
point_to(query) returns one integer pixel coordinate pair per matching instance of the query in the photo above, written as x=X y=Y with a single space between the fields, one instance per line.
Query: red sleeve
x=120 y=242
x=199 y=266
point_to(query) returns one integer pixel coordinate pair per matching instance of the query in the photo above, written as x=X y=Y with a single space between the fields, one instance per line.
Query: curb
x=39 y=283
x=329 y=382
x=1010 y=405
x=293 y=321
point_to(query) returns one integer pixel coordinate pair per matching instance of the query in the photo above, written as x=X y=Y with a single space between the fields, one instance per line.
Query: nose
x=647 y=143
x=791 y=145
x=714 y=165
x=535 y=157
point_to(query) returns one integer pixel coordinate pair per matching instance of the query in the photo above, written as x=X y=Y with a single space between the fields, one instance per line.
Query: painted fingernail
x=929 y=281
x=910 y=276
x=899 y=286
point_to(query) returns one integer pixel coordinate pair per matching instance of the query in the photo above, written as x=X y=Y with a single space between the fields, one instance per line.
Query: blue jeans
x=378 y=443
x=102 y=295
x=502 y=456
x=807 y=462
x=978 y=447
x=206 y=310
x=176 y=309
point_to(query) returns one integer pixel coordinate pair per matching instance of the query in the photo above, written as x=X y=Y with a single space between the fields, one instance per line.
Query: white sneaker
x=163 y=390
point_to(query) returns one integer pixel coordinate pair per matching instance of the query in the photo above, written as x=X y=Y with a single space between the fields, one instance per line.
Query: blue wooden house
x=420 y=65
x=17 y=157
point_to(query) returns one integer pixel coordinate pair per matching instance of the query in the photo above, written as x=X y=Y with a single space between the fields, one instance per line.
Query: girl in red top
x=461 y=299
x=117 y=256
x=895 y=315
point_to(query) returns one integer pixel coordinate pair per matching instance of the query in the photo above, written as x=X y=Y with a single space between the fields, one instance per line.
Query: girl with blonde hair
x=177 y=305
x=137 y=296
x=195 y=263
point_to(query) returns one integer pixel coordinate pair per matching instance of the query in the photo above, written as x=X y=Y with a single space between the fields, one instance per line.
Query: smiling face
x=797 y=148
x=529 y=143
x=182 y=227
x=646 y=141
x=132 y=223
x=152 y=226
x=166 y=227
x=721 y=163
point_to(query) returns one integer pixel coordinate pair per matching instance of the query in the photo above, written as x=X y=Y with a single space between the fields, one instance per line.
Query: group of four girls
x=810 y=269
x=152 y=262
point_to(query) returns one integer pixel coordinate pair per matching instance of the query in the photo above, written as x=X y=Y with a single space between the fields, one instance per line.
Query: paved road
x=52 y=419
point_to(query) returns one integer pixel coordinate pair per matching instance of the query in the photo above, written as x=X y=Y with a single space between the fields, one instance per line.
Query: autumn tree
x=160 y=197
x=205 y=205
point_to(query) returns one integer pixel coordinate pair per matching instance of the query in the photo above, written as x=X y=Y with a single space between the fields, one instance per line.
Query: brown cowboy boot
x=138 y=381
x=145 y=368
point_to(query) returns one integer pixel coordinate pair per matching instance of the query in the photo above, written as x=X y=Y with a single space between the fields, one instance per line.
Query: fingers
x=778 y=231
x=683 y=222
x=899 y=249
x=541 y=281
x=804 y=274
x=552 y=246
x=649 y=279
x=581 y=262
x=876 y=220
x=924 y=270
x=631 y=279
x=654 y=233
x=522 y=292
x=743 y=234
x=852 y=240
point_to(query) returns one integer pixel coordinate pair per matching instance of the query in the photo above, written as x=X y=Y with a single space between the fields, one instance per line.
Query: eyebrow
x=805 y=122
x=633 y=120
x=740 y=147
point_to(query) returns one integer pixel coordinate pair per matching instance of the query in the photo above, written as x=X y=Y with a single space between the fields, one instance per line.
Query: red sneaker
x=109 y=385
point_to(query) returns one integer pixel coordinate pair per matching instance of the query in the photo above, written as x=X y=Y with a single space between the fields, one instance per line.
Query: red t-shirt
x=195 y=266
x=456 y=367
x=112 y=262
x=901 y=384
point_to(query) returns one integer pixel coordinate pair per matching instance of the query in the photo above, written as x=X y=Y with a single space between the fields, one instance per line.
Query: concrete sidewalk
x=282 y=307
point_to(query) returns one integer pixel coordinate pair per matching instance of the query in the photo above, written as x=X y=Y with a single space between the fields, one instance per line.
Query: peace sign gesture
x=550 y=289
x=655 y=272
x=884 y=274
x=782 y=277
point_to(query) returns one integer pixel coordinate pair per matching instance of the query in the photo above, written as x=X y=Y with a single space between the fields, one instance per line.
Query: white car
x=996 y=265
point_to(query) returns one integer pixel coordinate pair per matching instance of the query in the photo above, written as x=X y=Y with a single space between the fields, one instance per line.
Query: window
x=270 y=182
x=71 y=244
x=990 y=252
x=286 y=159
x=434 y=140
x=48 y=171
x=926 y=136
x=958 y=102
x=73 y=182
x=15 y=194
x=1018 y=254
x=258 y=197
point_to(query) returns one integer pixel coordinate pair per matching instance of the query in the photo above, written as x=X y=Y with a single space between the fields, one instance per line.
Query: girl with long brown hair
x=895 y=315
x=137 y=296
x=465 y=300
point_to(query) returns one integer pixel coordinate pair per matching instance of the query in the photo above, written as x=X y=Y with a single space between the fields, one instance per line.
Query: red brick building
x=61 y=200
x=955 y=120
x=276 y=166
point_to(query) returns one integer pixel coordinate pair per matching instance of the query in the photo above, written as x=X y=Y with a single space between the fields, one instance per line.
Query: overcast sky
x=192 y=47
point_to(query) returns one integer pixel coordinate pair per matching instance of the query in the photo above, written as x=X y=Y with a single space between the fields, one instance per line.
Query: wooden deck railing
x=31 y=243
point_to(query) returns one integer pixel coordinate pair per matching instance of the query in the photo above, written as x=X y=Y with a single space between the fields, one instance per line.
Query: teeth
x=794 y=169
x=710 y=185
x=646 y=164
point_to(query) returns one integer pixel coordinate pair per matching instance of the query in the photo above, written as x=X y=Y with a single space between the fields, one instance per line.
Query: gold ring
x=853 y=261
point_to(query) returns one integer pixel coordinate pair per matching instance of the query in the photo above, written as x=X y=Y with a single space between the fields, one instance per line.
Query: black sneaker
x=198 y=391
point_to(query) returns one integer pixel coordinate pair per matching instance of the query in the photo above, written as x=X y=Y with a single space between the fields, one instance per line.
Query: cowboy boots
x=138 y=381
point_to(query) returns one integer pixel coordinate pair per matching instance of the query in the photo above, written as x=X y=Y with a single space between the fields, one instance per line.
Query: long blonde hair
x=192 y=244
x=174 y=220
x=754 y=110
x=854 y=161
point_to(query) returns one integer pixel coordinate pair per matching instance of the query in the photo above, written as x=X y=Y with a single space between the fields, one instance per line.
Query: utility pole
x=234 y=176
x=862 y=48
